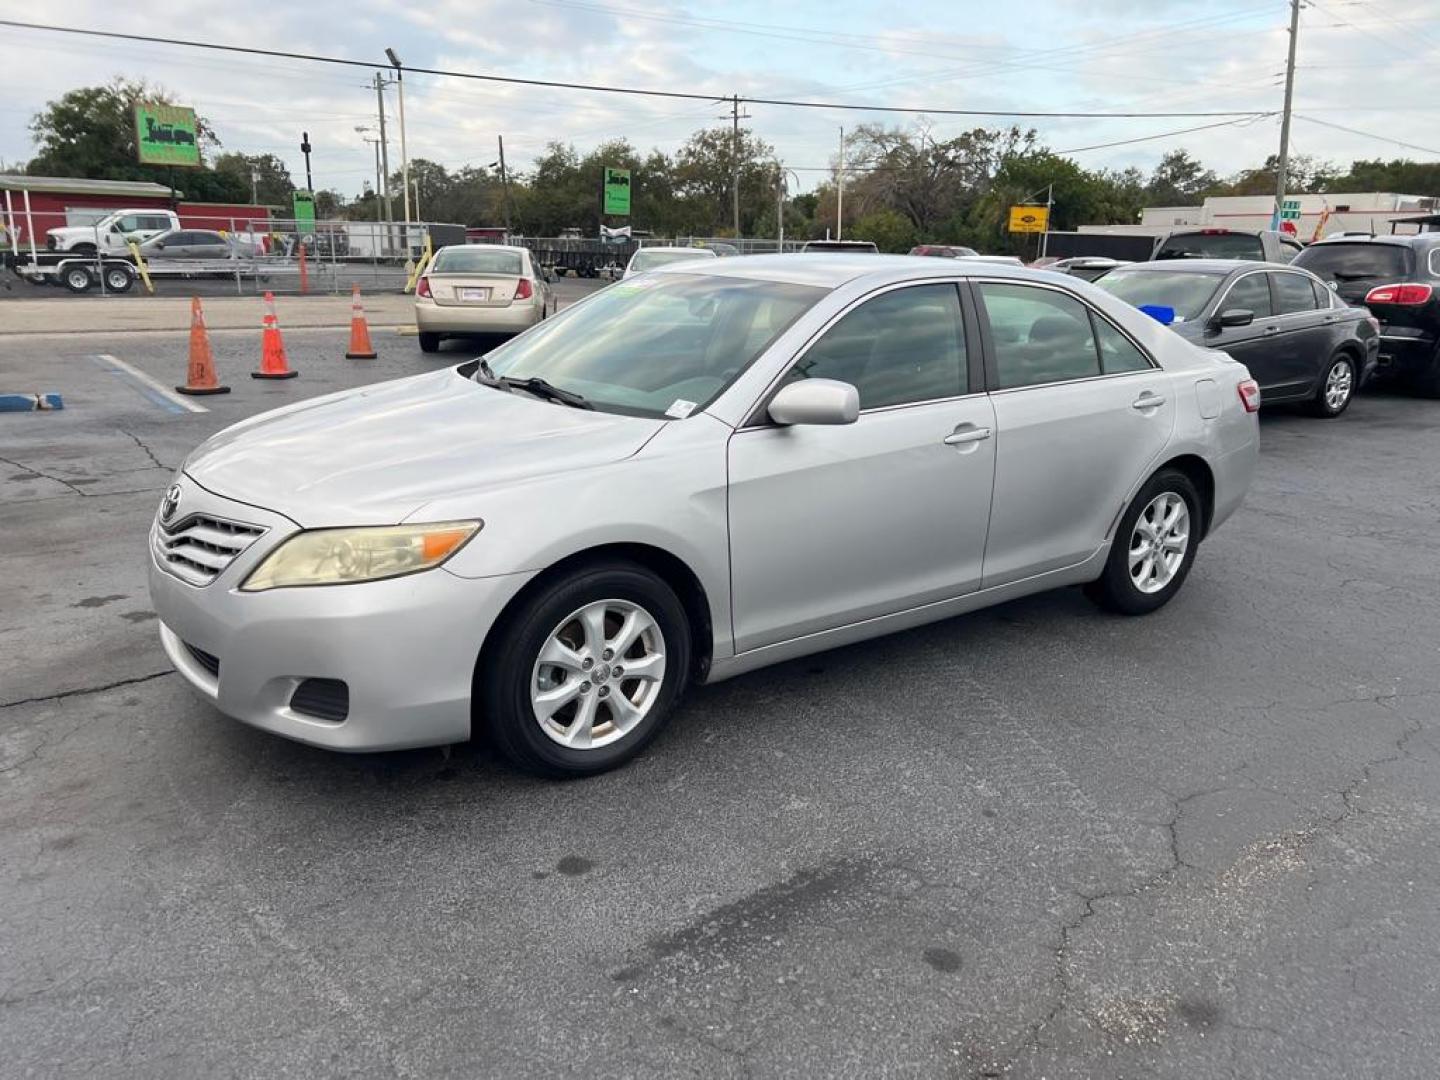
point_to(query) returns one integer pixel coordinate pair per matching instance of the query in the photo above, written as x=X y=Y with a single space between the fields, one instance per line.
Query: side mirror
x=1232 y=317
x=159 y=243
x=815 y=401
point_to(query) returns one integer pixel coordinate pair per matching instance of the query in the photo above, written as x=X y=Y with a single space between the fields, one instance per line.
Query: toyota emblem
x=171 y=503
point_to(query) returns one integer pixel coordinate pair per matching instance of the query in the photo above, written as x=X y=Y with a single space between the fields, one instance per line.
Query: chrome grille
x=198 y=547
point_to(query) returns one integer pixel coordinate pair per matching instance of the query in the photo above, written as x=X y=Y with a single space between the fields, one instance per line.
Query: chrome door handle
x=1147 y=400
x=969 y=435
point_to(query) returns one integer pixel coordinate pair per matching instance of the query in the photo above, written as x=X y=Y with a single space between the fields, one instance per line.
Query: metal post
x=735 y=170
x=404 y=153
x=30 y=226
x=384 y=153
x=1049 y=202
x=505 y=187
x=780 y=209
x=840 y=192
x=305 y=149
x=1283 y=166
x=235 y=251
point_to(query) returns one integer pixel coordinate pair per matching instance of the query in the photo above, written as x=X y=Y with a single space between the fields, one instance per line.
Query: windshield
x=661 y=346
x=1352 y=262
x=649 y=260
x=1212 y=245
x=477 y=260
x=1187 y=293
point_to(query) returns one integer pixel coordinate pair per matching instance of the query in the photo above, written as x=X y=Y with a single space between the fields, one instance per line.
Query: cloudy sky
x=1366 y=65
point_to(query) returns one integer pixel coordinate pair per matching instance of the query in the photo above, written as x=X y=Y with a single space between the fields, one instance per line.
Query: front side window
x=1040 y=335
x=657 y=346
x=1293 y=294
x=1250 y=293
x=128 y=224
x=903 y=346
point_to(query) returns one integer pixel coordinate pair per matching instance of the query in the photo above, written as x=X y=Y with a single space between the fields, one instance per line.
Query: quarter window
x=1292 y=294
x=901 y=347
x=1040 y=335
x=1250 y=293
x=1117 y=352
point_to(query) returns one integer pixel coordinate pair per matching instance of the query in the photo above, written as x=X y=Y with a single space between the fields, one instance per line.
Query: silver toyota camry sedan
x=691 y=474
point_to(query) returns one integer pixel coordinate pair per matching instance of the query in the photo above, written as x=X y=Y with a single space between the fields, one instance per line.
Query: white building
x=1369 y=211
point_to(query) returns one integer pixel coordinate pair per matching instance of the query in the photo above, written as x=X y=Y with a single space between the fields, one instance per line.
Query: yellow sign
x=1029 y=218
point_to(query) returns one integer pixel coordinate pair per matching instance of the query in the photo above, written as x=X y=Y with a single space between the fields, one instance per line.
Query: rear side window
x=1324 y=298
x=1292 y=294
x=1117 y=352
x=1040 y=336
x=1211 y=245
x=904 y=346
x=1289 y=249
x=1250 y=293
x=1357 y=262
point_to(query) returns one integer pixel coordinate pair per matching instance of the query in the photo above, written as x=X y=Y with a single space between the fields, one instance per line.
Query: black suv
x=1398 y=279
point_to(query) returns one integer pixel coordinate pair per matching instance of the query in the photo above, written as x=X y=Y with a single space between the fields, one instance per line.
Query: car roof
x=699 y=252
x=1413 y=240
x=831 y=269
x=1204 y=266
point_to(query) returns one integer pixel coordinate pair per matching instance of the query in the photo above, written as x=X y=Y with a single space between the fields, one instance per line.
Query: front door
x=834 y=525
x=1081 y=415
x=1304 y=346
x=1257 y=345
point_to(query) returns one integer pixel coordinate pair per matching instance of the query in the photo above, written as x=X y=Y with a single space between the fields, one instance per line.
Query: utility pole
x=254 y=186
x=305 y=149
x=384 y=190
x=404 y=154
x=505 y=185
x=840 y=192
x=735 y=117
x=1283 y=166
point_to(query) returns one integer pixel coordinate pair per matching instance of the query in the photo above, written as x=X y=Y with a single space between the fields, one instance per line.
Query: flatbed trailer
x=77 y=272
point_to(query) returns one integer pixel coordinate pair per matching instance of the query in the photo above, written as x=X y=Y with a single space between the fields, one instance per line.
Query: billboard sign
x=166 y=135
x=1025 y=219
x=617 y=192
x=304 y=212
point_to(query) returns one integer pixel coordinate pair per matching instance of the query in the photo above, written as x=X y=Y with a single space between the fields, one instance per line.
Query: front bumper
x=434 y=318
x=405 y=647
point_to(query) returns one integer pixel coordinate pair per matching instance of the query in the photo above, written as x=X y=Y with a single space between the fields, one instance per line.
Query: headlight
x=339 y=556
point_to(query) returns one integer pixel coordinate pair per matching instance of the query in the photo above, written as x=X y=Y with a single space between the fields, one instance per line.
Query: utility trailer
x=77 y=272
x=583 y=258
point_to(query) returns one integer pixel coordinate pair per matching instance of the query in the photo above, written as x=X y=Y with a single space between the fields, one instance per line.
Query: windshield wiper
x=485 y=375
x=542 y=389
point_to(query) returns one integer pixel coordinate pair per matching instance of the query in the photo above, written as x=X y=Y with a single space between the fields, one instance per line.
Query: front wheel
x=1336 y=389
x=1154 y=547
x=586 y=673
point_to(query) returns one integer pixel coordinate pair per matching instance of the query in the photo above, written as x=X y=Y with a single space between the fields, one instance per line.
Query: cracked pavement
x=1034 y=842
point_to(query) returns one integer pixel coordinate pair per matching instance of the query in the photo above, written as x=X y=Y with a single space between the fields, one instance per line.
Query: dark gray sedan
x=1301 y=342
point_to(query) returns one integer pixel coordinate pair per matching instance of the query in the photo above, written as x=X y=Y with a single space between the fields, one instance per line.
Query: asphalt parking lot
x=1039 y=841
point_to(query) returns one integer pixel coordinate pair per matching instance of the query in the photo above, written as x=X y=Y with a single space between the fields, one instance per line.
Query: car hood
x=378 y=454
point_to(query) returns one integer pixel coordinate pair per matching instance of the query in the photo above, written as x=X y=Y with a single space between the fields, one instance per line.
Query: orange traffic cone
x=200 y=379
x=273 y=364
x=360 y=347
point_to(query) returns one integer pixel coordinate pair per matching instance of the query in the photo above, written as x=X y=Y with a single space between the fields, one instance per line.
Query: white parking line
x=167 y=398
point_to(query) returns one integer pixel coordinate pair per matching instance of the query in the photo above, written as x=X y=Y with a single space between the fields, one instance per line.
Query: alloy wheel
x=1159 y=542
x=598 y=675
x=1338 y=385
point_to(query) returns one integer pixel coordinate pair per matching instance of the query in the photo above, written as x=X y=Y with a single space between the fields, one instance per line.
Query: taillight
x=1407 y=295
x=523 y=291
x=1249 y=395
x=422 y=287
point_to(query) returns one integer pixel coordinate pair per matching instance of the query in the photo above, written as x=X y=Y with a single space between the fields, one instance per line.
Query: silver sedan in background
x=690 y=475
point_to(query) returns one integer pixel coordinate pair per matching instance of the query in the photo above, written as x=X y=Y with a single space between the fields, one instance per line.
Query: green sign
x=617 y=192
x=304 y=212
x=1290 y=209
x=166 y=135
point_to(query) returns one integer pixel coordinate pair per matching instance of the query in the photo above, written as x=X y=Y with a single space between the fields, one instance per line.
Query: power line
x=1162 y=135
x=591 y=87
x=1368 y=134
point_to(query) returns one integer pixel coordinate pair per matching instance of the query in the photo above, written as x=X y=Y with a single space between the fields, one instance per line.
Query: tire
x=1336 y=388
x=1117 y=589
x=514 y=672
x=119 y=279
x=77 y=279
x=429 y=342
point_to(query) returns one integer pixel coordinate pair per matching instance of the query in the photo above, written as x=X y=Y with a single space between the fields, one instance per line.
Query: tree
x=273 y=186
x=1179 y=180
x=889 y=230
x=703 y=177
x=1399 y=177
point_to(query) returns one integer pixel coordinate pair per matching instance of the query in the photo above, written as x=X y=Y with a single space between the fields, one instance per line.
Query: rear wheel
x=587 y=672
x=429 y=342
x=119 y=278
x=1154 y=547
x=1336 y=389
x=77 y=279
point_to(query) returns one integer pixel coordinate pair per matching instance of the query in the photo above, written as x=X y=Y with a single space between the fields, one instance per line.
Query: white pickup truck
x=112 y=232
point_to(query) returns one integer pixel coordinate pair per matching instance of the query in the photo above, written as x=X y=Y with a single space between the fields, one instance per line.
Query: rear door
x=1081 y=415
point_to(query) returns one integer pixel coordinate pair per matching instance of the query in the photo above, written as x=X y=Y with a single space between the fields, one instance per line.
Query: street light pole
x=840 y=192
x=404 y=153
x=1283 y=165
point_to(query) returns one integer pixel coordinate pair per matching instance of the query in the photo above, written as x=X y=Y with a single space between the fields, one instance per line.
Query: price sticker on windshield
x=680 y=409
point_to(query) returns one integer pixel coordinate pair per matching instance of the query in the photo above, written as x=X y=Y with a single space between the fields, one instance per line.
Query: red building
x=39 y=203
